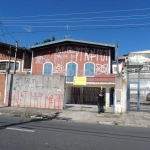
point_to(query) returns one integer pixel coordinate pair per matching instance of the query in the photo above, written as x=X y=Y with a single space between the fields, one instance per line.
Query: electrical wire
x=85 y=20
x=46 y=26
x=3 y=34
x=127 y=10
x=9 y=33
x=77 y=18
x=79 y=29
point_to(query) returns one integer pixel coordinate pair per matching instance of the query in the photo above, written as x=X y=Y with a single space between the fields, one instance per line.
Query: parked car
x=148 y=97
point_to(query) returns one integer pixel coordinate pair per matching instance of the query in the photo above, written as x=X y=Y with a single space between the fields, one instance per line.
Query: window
x=89 y=69
x=47 y=69
x=115 y=69
x=4 y=65
x=71 y=71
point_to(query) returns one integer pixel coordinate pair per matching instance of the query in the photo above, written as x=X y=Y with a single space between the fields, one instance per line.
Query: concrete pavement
x=131 y=118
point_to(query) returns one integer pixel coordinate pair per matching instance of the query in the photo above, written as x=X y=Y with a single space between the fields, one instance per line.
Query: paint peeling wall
x=36 y=91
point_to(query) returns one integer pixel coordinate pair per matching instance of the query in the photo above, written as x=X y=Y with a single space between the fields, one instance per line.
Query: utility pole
x=15 y=57
x=9 y=59
x=117 y=58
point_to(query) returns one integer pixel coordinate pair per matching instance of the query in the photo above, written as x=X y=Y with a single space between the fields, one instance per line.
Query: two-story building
x=70 y=58
x=7 y=60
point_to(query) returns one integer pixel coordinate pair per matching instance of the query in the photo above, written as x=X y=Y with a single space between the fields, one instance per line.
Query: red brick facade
x=61 y=55
x=2 y=88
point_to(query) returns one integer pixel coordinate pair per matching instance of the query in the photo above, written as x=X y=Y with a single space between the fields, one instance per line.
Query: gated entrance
x=138 y=86
x=84 y=95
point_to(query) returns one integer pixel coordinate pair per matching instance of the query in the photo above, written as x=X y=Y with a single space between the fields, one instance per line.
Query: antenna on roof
x=67 y=36
x=28 y=29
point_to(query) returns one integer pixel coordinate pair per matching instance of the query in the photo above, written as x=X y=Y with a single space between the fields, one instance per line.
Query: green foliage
x=53 y=38
x=36 y=43
x=45 y=41
x=115 y=123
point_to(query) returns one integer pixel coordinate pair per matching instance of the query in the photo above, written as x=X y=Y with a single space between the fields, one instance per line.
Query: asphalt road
x=26 y=134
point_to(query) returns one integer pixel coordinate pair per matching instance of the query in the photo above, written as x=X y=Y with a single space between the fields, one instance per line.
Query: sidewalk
x=132 y=118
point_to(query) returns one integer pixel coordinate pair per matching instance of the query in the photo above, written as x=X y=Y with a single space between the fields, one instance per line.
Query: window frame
x=94 y=69
x=11 y=61
x=51 y=68
x=76 y=67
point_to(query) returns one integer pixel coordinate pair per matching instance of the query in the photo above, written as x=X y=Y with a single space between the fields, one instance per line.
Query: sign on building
x=79 y=80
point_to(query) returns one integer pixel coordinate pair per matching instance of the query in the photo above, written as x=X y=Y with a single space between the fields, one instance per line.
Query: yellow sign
x=79 y=80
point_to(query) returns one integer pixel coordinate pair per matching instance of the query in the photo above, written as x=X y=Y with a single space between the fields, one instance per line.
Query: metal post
x=15 y=56
x=128 y=92
x=117 y=57
x=138 y=91
x=65 y=88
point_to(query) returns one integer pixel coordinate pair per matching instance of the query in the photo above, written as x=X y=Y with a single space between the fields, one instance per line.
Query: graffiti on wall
x=36 y=91
x=61 y=56
x=37 y=99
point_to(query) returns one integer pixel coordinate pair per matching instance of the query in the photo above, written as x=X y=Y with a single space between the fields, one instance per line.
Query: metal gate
x=138 y=87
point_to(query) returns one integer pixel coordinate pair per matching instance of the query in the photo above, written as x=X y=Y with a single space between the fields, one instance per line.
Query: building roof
x=144 y=51
x=13 y=46
x=74 y=41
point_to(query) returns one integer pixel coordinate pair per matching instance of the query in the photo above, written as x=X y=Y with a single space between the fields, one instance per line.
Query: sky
x=104 y=21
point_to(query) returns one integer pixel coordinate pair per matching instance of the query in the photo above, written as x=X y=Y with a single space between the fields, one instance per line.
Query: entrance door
x=133 y=97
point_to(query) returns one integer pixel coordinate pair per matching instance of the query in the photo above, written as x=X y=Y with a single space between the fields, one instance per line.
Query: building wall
x=36 y=91
x=59 y=56
x=2 y=88
x=114 y=68
x=23 y=57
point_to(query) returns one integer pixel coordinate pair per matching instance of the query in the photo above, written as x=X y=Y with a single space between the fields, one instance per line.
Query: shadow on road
x=21 y=122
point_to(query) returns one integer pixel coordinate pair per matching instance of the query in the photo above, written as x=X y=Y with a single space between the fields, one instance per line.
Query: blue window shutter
x=89 y=69
x=71 y=71
x=48 y=69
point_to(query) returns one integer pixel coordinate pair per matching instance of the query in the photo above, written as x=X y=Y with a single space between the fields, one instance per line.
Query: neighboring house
x=138 y=80
x=122 y=60
x=23 y=58
x=70 y=58
x=23 y=63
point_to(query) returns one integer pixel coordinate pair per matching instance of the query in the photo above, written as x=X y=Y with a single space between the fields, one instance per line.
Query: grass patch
x=116 y=123
x=28 y=115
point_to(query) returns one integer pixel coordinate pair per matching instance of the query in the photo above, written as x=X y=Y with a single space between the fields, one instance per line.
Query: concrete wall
x=120 y=95
x=36 y=91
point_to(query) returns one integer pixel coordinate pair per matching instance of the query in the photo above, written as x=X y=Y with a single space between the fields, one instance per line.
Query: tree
x=36 y=43
x=45 y=41
x=53 y=38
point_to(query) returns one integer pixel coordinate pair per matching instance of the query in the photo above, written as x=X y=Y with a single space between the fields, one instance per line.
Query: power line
x=3 y=34
x=84 y=20
x=10 y=33
x=88 y=25
x=101 y=28
x=78 y=18
x=110 y=11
